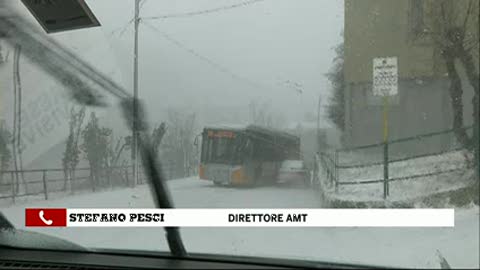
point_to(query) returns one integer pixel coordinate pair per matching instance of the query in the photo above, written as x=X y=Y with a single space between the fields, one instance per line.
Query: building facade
x=406 y=29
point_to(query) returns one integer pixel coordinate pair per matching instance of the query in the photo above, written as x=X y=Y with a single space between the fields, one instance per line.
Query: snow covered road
x=407 y=247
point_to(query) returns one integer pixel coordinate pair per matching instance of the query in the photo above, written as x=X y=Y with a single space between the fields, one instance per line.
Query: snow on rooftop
x=226 y=126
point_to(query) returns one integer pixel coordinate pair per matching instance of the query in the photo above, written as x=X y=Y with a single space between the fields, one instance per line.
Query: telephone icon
x=46 y=221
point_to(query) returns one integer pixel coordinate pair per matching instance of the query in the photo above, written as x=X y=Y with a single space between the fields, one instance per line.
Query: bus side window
x=256 y=150
x=211 y=149
x=248 y=148
x=240 y=150
x=264 y=150
x=204 y=150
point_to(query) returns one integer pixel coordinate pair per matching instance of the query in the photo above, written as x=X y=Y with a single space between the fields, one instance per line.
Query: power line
x=205 y=59
x=121 y=30
x=202 y=12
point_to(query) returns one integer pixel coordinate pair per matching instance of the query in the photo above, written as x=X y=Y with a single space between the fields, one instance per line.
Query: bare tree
x=71 y=156
x=177 y=148
x=121 y=145
x=455 y=32
x=336 y=106
x=95 y=147
x=114 y=152
x=157 y=136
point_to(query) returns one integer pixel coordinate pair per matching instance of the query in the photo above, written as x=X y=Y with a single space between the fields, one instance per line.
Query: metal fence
x=45 y=182
x=372 y=164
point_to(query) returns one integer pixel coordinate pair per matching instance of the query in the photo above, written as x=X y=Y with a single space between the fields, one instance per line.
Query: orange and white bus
x=245 y=156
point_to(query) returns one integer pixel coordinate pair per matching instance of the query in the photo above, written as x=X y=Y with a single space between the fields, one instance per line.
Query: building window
x=417 y=23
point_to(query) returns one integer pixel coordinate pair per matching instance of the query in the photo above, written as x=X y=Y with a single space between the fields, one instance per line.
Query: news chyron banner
x=74 y=217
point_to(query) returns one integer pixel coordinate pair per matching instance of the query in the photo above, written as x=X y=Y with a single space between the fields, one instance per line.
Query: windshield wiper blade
x=73 y=72
x=153 y=168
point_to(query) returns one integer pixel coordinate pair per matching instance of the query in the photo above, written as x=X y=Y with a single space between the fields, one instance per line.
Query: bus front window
x=223 y=150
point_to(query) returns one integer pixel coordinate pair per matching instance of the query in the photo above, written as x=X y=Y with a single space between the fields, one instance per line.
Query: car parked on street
x=293 y=172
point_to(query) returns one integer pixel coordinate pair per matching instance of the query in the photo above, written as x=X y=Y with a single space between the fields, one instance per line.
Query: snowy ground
x=408 y=188
x=411 y=247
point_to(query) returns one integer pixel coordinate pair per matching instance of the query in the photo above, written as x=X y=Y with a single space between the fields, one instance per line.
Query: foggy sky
x=266 y=43
x=261 y=46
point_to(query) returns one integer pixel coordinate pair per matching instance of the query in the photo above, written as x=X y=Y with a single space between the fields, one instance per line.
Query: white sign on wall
x=385 y=76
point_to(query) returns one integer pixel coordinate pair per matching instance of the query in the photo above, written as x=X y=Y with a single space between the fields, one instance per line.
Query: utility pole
x=135 y=96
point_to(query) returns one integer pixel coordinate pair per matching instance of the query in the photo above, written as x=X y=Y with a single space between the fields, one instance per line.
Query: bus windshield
x=223 y=147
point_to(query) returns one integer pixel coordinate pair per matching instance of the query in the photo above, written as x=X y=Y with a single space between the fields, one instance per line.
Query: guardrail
x=369 y=156
x=44 y=182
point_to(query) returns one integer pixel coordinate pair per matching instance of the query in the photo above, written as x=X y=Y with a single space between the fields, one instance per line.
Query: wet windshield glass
x=311 y=104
